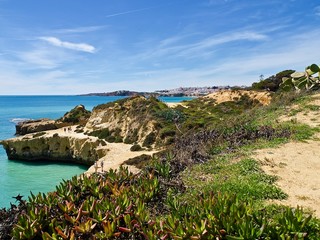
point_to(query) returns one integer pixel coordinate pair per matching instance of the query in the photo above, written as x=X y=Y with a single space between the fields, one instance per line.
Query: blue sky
x=74 y=47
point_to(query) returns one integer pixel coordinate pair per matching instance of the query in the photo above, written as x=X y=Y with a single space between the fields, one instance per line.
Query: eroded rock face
x=130 y=118
x=84 y=150
x=262 y=97
x=32 y=126
x=77 y=115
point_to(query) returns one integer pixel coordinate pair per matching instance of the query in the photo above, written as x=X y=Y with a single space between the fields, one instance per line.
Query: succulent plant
x=303 y=80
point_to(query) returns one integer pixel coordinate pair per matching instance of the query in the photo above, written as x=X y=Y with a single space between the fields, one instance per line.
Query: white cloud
x=129 y=12
x=80 y=29
x=222 y=39
x=83 y=47
x=39 y=58
x=171 y=47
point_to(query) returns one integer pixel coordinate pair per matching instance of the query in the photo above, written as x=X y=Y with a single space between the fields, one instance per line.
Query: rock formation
x=33 y=126
x=261 y=97
x=52 y=146
x=131 y=120
x=78 y=115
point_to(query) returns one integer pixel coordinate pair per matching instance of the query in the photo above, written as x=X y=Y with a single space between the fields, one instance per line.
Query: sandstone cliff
x=78 y=115
x=261 y=97
x=129 y=120
x=52 y=146
x=32 y=126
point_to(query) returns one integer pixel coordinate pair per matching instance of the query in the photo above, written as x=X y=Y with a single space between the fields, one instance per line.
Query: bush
x=132 y=137
x=136 y=147
x=111 y=139
x=102 y=134
x=149 y=140
x=272 y=83
x=167 y=132
x=78 y=210
x=139 y=161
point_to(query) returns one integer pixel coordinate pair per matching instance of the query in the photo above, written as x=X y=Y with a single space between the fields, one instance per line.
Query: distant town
x=177 y=92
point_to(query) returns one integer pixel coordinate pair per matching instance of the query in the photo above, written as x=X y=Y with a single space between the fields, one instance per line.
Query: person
x=101 y=166
x=95 y=166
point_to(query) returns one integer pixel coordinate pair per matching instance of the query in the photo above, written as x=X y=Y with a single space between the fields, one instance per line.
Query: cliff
x=55 y=146
x=129 y=120
x=260 y=97
x=33 y=126
x=78 y=115
x=81 y=136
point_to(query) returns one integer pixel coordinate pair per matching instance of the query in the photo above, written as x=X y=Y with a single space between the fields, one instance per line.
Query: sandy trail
x=117 y=153
x=297 y=164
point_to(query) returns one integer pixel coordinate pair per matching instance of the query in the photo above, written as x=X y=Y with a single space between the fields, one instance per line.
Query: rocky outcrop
x=33 y=126
x=78 y=115
x=50 y=146
x=131 y=120
x=261 y=97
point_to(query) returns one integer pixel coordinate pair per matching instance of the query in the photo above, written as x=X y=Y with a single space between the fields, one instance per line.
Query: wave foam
x=19 y=120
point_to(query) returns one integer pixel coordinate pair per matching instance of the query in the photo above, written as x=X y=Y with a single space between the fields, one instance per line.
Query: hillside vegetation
x=205 y=184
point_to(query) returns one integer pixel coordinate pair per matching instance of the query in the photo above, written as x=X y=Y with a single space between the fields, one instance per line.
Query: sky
x=74 y=47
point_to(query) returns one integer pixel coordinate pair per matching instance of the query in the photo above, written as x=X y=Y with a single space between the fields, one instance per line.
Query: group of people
x=67 y=129
x=96 y=166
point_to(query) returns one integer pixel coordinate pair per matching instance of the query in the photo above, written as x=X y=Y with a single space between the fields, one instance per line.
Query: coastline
x=112 y=155
x=45 y=175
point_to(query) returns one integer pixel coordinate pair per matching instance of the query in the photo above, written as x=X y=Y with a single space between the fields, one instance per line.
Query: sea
x=22 y=177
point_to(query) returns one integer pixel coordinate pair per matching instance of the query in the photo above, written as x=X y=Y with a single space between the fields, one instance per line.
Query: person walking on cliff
x=101 y=164
x=95 y=166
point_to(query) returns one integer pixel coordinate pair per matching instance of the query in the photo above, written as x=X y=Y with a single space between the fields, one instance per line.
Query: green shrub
x=131 y=137
x=119 y=205
x=149 y=140
x=136 y=147
x=139 y=161
x=111 y=139
x=102 y=134
x=118 y=139
x=167 y=132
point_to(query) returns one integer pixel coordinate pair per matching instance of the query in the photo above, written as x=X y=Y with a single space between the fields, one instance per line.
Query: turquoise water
x=17 y=177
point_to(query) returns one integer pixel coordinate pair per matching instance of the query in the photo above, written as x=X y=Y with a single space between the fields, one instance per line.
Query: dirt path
x=297 y=164
x=117 y=153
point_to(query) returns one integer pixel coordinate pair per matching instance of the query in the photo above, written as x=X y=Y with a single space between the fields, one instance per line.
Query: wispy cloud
x=176 y=46
x=242 y=67
x=82 y=47
x=80 y=29
x=39 y=58
x=209 y=43
x=129 y=12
